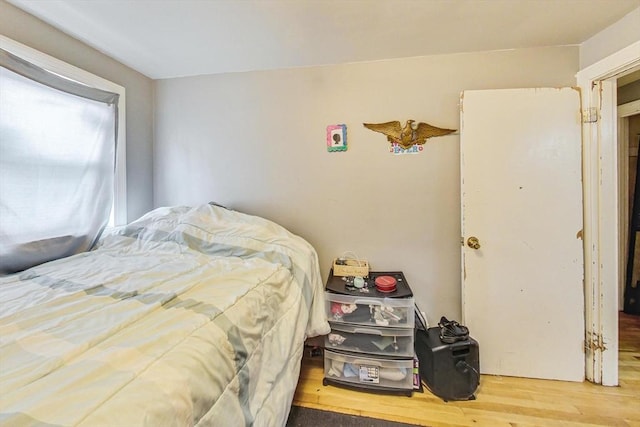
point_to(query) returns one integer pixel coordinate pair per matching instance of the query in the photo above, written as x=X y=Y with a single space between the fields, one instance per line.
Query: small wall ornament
x=411 y=134
x=398 y=150
x=337 y=138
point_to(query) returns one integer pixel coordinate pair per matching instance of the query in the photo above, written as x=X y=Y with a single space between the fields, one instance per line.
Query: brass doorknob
x=473 y=242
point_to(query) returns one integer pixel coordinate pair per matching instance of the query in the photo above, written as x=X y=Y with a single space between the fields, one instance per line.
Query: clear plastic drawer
x=384 y=312
x=368 y=372
x=393 y=342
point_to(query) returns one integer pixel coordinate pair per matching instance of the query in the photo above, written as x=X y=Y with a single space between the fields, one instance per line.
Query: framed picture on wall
x=337 y=138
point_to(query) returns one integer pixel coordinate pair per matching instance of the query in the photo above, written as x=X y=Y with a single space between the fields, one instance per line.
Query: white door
x=521 y=195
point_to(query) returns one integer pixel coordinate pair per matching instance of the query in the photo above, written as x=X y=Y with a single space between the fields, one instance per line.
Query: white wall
x=256 y=142
x=28 y=30
x=611 y=39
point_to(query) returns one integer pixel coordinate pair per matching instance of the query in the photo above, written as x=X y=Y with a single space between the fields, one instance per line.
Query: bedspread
x=188 y=316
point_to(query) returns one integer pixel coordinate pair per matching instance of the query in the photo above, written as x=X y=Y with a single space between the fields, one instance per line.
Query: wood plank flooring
x=501 y=401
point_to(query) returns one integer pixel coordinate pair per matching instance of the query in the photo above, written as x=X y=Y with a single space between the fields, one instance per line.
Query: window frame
x=119 y=210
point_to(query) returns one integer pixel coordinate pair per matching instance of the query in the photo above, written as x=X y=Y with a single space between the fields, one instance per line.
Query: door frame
x=601 y=221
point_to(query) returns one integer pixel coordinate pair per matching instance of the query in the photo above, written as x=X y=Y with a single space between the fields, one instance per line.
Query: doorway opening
x=628 y=108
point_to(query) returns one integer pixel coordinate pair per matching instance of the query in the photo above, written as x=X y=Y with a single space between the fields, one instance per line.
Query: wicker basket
x=350 y=267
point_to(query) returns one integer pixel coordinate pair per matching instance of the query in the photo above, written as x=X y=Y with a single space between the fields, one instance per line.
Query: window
x=62 y=155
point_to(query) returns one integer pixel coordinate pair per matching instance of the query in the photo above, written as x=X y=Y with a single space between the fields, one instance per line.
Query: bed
x=187 y=316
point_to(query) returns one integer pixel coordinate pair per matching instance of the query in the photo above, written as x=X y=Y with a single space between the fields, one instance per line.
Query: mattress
x=187 y=316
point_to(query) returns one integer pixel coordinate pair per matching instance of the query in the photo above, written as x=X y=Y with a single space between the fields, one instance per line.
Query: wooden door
x=521 y=197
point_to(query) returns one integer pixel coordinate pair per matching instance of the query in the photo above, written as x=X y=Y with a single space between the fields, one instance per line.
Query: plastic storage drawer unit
x=391 y=342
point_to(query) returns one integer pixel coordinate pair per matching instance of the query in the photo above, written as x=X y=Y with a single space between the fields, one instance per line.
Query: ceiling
x=173 y=38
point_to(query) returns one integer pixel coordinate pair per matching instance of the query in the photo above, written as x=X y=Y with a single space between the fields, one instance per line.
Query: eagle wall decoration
x=412 y=133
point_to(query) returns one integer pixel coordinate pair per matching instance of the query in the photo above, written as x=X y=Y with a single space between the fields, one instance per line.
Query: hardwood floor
x=501 y=401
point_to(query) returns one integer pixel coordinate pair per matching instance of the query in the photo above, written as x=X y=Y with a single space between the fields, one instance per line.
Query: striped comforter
x=187 y=316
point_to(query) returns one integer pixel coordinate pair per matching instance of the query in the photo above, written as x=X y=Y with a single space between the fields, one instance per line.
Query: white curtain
x=57 y=162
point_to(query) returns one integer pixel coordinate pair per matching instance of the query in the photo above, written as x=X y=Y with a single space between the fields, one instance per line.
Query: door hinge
x=595 y=343
x=590 y=115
